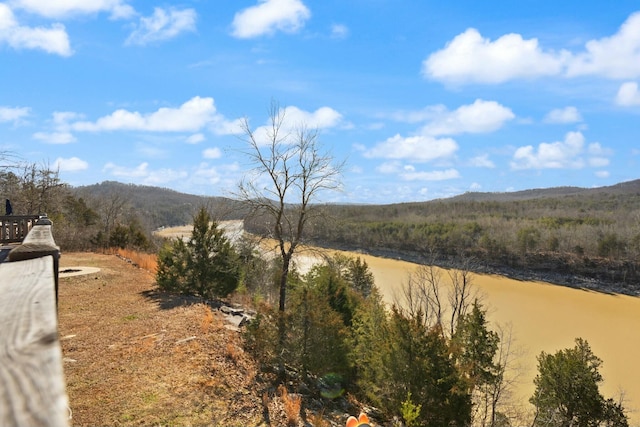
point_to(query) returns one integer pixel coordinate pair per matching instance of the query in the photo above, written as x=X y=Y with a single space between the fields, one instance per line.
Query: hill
x=160 y=206
x=585 y=237
x=624 y=188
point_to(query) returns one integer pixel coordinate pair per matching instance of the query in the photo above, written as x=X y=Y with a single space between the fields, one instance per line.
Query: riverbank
x=555 y=271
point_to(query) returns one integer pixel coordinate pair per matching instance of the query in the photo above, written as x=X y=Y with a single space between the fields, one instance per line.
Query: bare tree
x=493 y=400
x=289 y=173
x=37 y=189
x=440 y=297
x=421 y=295
x=111 y=209
x=461 y=294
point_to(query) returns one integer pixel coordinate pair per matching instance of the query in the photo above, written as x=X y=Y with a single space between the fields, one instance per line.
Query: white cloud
x=123 y=172
x=221 y=126
x=269 y=16
x=323 y=117
x=389 y=167
x=73 y=164
x=15 y=115
x=212 y=153
x=599 y=155
x=296 y=119
x=196 y=138
x=567 y=154
x=563 y=115
x=339 y=31
x=51 y=40
x=482 y=161
x=430 y=176
x=615 y=57
x=205 y=175
x=54 y=137
x=416 y=148
x=416 y=116
x=479 y=117
x=191 y=116
x=598 y=162
x=595 y=149
x=555 y=155
x=471 y=58
x=164 y=176
x=66 y=8
x=164 y=24
x=602 y=174
x=141 y=174
x=628 y=95
x=475 y=186
x=61 y=119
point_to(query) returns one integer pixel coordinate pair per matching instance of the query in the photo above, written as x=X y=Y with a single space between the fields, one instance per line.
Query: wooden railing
x=14 y=228
x=32 y=387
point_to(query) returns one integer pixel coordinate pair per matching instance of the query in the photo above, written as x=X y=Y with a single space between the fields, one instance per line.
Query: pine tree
x=206 y=265
x=567 y=391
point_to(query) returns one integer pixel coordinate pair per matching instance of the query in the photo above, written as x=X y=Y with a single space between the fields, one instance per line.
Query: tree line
x=81 y=222
x=593 y=235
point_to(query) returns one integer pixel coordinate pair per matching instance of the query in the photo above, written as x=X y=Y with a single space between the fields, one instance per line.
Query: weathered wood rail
x=14 y=228
x=32 y=387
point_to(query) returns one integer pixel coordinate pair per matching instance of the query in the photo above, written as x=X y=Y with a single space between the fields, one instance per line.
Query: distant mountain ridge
x=166 y=207
x=150 y=198
x=628 y=187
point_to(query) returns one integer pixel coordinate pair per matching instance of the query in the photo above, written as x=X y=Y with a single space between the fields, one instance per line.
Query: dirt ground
x=134 y=356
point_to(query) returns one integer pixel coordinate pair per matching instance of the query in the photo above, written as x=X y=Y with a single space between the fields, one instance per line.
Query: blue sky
x=422 y=99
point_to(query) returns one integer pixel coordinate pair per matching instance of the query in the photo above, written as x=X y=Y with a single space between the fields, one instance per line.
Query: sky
x=420 y=99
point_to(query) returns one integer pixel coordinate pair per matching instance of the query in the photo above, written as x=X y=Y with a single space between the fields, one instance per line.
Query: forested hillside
x=160 y=207
x=566 y=235
x=582 y=237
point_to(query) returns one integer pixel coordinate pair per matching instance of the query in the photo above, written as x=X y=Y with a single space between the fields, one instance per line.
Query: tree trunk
x=282 y=325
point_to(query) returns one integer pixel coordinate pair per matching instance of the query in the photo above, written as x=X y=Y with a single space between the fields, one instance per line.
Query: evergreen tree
x=316 y=334
x=567 y=393
x=475 y=349
x=328 y=282
x=206 y=265
x=396 y=355
x=369 y=353
x=359 y=276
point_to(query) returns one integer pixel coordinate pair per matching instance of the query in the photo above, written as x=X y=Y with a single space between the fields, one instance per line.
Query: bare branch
x=289 y=171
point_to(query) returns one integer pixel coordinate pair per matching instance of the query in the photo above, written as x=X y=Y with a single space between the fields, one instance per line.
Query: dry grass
x=143 y=260
x=133 y=356
x=292 y=404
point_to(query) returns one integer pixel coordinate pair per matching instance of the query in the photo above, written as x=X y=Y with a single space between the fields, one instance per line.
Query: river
x=542 y=317
x=545 y=317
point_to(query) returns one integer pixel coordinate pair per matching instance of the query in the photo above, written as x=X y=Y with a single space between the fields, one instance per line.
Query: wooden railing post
x=38 y=243
x=32 y=387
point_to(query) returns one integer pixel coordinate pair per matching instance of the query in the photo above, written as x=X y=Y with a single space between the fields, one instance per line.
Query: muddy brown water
x=545 y=317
